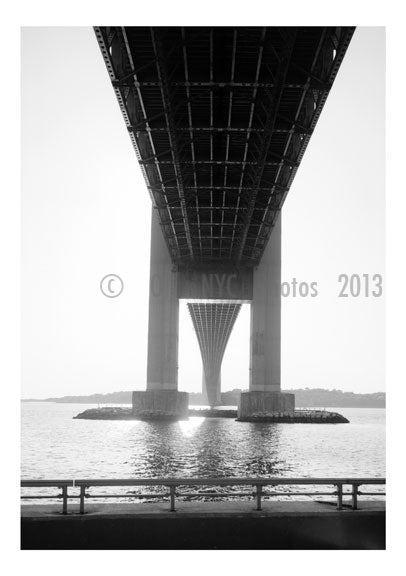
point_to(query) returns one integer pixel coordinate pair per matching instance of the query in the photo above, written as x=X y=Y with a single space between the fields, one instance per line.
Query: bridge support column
x=212 y=385
x=162 y=399
x=265 y=396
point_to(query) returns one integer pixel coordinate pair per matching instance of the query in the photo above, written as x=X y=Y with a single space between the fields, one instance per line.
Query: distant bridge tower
x=213 y=324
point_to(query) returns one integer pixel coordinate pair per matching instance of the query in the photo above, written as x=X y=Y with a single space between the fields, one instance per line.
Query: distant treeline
x=320 y=398
x=310 y=398
x=305 y=398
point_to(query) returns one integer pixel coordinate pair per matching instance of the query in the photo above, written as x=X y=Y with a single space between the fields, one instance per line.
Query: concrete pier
x=163 y=321
x=265 y=340
x=162 y=399
x=162 y=404
x=264 y=404
x=265 y=397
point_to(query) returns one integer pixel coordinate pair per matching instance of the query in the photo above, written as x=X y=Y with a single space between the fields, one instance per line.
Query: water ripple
x=54 y=446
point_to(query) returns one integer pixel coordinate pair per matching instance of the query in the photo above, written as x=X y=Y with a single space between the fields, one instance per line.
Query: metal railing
x=173 y=483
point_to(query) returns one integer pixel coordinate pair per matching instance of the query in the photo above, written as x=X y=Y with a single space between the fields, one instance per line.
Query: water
x=56 y=446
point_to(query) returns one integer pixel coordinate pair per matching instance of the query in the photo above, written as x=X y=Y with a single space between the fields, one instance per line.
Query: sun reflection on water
x=190 y=427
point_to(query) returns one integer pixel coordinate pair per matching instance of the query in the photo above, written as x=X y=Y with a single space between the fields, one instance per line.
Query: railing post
x=172 y=490
x=259 y=494
x=82 y=499
x=339 y=496
x=64 y=499
x=354 y=496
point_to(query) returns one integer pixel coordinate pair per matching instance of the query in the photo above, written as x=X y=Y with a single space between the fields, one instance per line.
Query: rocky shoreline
x=298 y=416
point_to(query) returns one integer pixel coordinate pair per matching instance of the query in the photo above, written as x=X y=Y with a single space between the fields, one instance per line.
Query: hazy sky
x=86 y=213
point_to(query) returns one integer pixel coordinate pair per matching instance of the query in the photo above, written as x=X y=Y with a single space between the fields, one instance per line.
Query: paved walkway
x=241 y=508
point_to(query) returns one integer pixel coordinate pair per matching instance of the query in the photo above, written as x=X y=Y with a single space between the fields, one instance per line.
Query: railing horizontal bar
x=200 y=482
x=45 y=483
x=214 y=494
x=227 y=481
x=299 y=493
x=163 y=495
x=50 y=497
x=370 y=493
x=45 y=497
x=364 y=493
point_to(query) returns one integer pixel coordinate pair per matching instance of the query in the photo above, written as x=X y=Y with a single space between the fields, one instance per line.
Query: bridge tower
x=216 y=295
x=220 y=118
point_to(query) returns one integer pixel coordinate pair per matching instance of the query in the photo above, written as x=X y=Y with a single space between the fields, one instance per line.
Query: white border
x=294 y=12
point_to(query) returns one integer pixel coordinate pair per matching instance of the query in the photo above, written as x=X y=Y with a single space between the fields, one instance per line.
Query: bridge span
x=220 y=119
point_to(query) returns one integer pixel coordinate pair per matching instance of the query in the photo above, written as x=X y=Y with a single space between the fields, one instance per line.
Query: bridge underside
x=220 y=118
x=213 y=324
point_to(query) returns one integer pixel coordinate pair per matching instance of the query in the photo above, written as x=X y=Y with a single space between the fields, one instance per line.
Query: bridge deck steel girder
x=220 y=118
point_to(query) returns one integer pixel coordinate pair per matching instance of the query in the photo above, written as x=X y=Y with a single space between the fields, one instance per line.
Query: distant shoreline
x=39 y=401
x=305 y=398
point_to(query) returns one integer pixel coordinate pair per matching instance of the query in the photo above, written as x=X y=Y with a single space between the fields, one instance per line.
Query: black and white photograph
x=203 y=288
